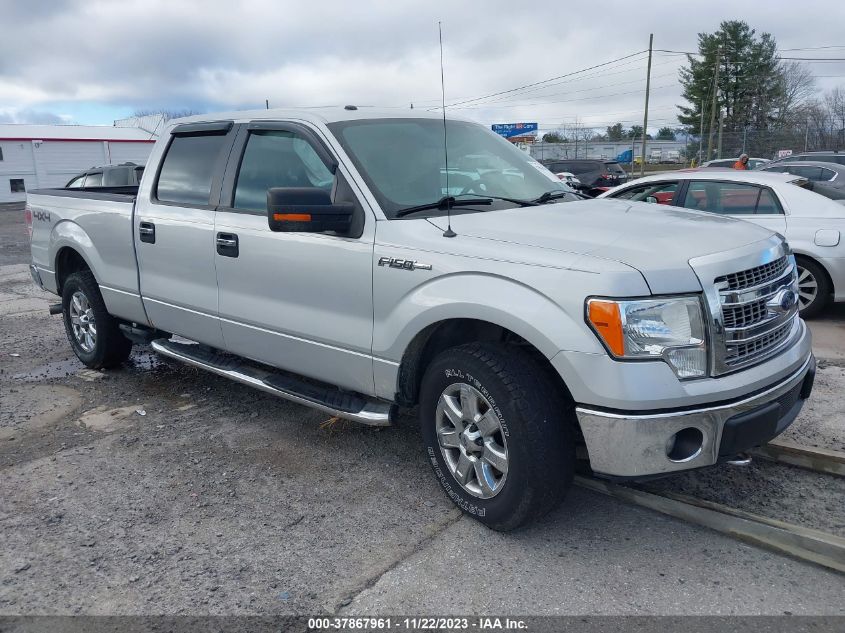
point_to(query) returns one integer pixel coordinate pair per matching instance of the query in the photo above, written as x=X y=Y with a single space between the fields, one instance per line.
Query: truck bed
x=97 y=224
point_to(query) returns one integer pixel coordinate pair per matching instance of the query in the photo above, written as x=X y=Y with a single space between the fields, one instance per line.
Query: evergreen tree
x=751 y=82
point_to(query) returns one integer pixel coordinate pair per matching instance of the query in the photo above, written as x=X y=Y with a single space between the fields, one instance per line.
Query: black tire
x=823 y=289
x=535 y=420
x=110 y=348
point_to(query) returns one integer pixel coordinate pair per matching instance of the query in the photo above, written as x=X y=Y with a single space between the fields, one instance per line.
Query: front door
x=174 y=233
x=298 y=301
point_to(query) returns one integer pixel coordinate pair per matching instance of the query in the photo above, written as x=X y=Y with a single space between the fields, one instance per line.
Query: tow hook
x=55 y=308
x=740 y=459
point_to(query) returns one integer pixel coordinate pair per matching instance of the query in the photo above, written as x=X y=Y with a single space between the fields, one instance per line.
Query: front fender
x=487 y=297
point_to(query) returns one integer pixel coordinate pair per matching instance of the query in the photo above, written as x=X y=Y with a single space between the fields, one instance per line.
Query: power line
x=544 y=81
x=521 y=105
x=802 y=59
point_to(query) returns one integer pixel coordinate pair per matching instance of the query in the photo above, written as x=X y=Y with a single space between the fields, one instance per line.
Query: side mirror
x=651 y=199
x=307 y=210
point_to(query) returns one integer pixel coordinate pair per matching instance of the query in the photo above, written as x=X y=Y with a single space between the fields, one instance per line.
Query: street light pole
x=647 y=89
x=713 y=105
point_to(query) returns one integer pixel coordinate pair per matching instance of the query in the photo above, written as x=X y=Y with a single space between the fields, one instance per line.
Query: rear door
x=743 y=201
x=299 y=301
x=174 y=233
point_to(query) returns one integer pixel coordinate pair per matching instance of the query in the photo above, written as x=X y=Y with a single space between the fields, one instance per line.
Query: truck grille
x=740 y=352
x=754 y=276
x=754 y=322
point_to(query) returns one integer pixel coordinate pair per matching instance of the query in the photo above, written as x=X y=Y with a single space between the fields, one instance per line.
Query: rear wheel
x=93 y=333
x=497 y=433
x=813 y=288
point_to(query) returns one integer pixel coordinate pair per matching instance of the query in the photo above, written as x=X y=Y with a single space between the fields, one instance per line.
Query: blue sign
x=509 y=130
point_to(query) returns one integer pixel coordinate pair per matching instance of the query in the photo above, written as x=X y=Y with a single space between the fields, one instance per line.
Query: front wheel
x=93 y=333
x=497 y=433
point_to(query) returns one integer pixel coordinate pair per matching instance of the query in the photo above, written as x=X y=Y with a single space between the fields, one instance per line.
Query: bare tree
x=798 y=85
x=167 y=114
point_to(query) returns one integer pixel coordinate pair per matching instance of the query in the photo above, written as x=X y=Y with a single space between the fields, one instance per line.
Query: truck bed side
x=93 y=225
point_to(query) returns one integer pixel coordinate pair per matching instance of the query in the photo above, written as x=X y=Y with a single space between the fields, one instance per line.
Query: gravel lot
x=159 y=489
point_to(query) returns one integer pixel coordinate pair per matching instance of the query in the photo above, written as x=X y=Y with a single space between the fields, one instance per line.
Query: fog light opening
x=685 y=445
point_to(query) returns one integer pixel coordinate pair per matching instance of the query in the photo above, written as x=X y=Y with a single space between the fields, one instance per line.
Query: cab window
x=94 y=180
x=277 y=158
x=188 y=169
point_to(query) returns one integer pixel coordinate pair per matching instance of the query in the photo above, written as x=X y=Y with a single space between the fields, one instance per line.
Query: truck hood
x=657 y=240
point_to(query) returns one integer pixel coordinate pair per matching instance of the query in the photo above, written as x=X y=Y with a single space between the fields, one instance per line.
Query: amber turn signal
x=292 y=217
x=606 y=321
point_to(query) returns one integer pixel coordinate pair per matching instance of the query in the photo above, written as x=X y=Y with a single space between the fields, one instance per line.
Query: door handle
x=147 y=232
x=227 y=245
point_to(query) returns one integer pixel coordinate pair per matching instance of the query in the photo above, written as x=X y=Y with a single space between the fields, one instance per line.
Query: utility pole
x=721 y=127
x=713 y=104
x=647 y=89
x=701 y=136
x=807 y=134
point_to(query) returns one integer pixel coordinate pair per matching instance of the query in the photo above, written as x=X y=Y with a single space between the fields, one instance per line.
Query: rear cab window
x=188 y=167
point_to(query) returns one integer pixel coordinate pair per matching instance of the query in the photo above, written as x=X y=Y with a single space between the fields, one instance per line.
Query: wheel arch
x=69 y=260
x=799 y=255
x=453 y=332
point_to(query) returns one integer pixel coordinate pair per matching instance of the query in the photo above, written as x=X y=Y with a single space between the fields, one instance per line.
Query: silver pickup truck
x=340 y=259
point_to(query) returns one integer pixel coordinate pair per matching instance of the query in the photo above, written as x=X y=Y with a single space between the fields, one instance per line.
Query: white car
x=568 y=177
x=813 y=224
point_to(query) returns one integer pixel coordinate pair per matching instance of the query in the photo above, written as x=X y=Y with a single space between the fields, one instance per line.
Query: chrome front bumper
x=639 y=444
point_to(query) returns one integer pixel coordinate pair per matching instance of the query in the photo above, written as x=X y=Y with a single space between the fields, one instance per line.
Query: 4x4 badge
x=405 y=264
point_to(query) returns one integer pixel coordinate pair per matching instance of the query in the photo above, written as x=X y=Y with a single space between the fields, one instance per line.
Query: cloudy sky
x=90 y=62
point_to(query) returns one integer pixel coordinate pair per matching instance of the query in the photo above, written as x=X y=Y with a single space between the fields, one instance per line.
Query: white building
x=39 y=156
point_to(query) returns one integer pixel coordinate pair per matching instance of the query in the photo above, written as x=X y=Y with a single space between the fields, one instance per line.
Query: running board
x=342 y=404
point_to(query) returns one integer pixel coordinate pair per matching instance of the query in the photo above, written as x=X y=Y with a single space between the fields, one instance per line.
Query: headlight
x=671 y=329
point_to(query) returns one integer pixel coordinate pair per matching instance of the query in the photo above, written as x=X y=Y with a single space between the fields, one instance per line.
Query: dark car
x=591 y=172
x=827 y=179
x=123 y=175
x=833 y=156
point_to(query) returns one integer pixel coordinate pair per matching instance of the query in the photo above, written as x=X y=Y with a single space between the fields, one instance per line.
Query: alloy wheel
x=82 y=321
x=472 y=440
x=808 y=288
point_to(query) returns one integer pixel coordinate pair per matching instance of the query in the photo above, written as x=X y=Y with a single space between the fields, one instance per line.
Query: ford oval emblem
x=783 y=301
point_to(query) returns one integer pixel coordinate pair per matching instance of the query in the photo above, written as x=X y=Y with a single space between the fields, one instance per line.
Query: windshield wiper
x=448 y=202
x=444 y=204
x=551 y=195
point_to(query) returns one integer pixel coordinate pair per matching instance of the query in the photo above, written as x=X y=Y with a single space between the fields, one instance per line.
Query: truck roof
x=330 y=114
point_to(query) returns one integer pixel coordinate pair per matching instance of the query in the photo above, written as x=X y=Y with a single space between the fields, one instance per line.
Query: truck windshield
x=403 y=163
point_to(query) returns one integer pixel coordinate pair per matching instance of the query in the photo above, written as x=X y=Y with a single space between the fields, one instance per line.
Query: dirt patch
x=29 y=408
x=103 y=419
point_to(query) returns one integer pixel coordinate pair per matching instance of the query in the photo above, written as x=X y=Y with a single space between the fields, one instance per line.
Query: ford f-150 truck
x=340 y=258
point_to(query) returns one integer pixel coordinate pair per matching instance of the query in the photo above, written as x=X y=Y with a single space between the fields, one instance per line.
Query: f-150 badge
x=405 y=264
